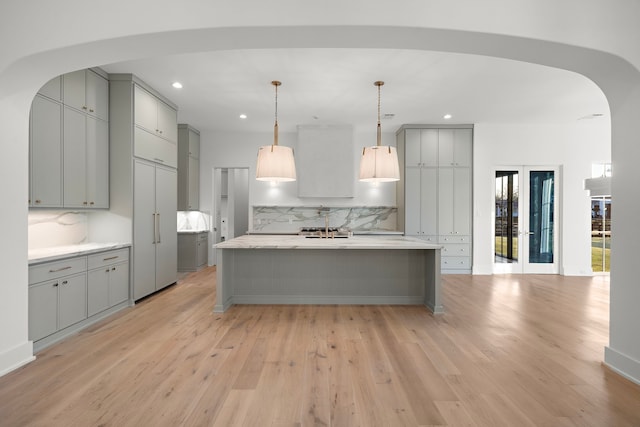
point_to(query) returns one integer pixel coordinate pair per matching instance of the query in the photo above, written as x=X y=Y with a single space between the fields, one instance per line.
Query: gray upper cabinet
x=45 y=146
x=421 y=147
x=87 y=91
x=86 y=160
x=188 y=168
x=69 y=142
x=156 y=129
x=153 y=115
x=454 y=147
x=52 y=89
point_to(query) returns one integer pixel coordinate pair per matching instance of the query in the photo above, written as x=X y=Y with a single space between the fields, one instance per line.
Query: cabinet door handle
x=158 y=228
x=155 y=228
x=55 y=285
x=65 y=282
x=91 y=110
x=113 y=269
x=107 y=270
x=60 y=269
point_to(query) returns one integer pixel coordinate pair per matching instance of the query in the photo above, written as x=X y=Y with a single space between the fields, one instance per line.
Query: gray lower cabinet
x=56 y=304
x=107 y=280
x=70 y=294
x=192 y=251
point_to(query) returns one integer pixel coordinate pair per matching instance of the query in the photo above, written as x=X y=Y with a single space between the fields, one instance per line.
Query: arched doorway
x=26 y=72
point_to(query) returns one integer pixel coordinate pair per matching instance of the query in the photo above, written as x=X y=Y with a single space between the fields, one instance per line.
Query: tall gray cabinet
x=188 y=168
x=144 y=180
x=434 y=193
x=154 y=228
x=69 y=142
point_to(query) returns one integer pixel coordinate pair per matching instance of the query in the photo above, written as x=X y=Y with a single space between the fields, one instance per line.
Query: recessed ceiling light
x=243 y=116
x=447 y=116
x=177 y=85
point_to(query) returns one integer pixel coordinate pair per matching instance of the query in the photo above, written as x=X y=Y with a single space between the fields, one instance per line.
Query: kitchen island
x=291 y=269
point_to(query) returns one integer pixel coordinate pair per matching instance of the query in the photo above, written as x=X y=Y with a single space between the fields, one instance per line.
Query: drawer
x=456 y=249
x=454 y=238
x=108 y=258
x=53 y=270
x=455 y=263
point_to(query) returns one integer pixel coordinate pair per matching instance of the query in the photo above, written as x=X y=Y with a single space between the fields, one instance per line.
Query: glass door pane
x=506 y=217
x=541 y=217
x=600 y=234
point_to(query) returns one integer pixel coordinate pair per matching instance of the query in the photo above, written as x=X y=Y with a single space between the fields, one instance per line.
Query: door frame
x=522 y=266
x=216 y=187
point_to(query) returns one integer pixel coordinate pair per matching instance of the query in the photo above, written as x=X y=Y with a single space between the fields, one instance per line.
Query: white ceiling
x=335 y=86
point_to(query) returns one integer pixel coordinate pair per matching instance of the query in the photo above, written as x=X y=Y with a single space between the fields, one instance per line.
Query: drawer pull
x=111 y=257
x=60 y=269
x=65 y=282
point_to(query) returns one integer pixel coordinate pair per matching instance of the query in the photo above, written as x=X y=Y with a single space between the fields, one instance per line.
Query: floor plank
x=509 y=350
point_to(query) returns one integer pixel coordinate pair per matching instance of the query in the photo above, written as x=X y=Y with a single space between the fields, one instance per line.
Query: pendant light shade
x=275 y=162
x=379 y=163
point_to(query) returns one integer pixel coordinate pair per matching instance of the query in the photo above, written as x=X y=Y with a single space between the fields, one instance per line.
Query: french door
x=526 y=220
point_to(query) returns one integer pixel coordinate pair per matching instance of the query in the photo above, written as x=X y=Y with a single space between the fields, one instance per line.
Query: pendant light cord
x=379 y=130
x=275 y=126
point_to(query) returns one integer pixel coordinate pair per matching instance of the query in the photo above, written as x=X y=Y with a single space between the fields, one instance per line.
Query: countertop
x=37 y=256
x=300 y=242
x=355 y=233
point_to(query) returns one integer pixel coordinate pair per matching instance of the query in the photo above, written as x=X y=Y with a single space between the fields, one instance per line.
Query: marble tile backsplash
x=49 y=228
x=193 y=221
x=355 y=218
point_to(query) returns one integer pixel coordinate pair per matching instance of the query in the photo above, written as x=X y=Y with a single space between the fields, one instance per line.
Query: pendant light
x=275 y=162
x=380 y=162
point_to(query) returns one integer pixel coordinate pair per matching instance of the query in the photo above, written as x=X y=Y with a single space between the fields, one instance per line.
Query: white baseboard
x=574 y=270
x=622 y=364
x=16 y=357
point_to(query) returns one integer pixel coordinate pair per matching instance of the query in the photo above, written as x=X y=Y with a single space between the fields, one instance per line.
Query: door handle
x=155 y=227
x=158 y=228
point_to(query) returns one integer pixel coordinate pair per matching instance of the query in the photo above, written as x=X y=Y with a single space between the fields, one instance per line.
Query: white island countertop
x=301 y=242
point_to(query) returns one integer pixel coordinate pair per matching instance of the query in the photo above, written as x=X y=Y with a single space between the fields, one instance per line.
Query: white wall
x=574 y=147
x=234 y=149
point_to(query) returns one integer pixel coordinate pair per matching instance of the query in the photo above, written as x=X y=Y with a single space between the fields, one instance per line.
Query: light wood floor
x=509 y=351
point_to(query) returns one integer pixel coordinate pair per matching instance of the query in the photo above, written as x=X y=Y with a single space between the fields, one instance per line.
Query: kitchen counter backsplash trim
x=279 y=219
